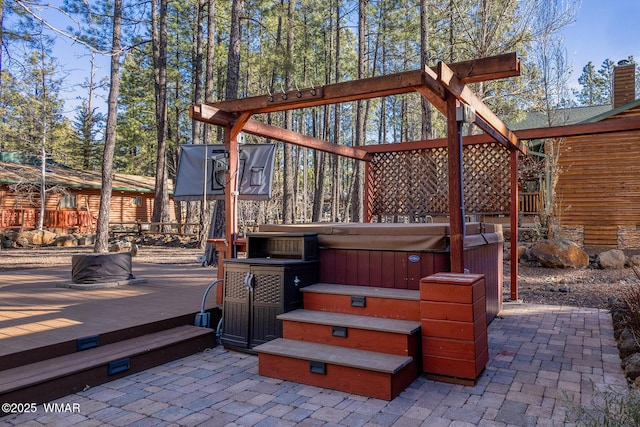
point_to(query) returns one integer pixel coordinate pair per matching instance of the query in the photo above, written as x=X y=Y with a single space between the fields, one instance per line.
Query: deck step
x=367 y=373
x=49 y=379
x=389 y=303
x=391 y=336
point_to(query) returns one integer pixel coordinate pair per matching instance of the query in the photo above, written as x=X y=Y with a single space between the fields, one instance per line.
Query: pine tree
x=593 y=90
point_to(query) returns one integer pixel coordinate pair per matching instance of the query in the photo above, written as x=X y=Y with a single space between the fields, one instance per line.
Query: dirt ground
x=582 y=288
x=35 y=257
x=587 y=287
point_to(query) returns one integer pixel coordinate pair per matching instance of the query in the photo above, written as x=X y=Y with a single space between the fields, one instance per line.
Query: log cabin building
x=596 y=199
x=72 y=198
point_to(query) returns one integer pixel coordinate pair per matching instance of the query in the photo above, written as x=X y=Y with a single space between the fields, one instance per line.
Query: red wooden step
x=367 y=373
x=389 y=336
x=363 y=300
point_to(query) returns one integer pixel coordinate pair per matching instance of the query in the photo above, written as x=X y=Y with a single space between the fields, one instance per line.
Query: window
x=69 y=201
x=136 y=201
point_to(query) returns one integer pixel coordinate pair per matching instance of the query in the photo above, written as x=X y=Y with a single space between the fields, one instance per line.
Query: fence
x=81 y=221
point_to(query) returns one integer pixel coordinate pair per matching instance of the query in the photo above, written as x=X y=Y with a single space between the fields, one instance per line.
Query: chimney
x=624 y=83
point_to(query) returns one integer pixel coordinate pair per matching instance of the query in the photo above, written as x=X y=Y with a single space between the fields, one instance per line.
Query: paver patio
x=540 y=357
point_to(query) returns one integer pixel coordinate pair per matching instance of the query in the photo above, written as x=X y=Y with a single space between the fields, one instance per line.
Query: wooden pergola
x=444 y=86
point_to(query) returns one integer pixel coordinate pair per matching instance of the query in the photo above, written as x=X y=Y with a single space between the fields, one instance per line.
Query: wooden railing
x=530 y=203
x=144 y=227
x=27 y=219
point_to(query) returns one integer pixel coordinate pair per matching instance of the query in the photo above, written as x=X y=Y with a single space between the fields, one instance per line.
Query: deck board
x=46 y=370
x=353 y=358
x=368 y=291
x=406 y=327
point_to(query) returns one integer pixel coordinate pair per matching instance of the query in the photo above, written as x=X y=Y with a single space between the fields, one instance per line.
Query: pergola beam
x=604 y=127
x=478 y=70
x=208 y=114
x=491 y=68
x=485 y=118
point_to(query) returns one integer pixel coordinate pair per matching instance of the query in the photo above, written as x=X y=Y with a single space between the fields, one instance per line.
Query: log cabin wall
x=598 y=189
x=126 y=206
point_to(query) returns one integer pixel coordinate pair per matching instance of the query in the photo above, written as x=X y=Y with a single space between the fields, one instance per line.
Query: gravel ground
x=587 y=287
x=581 y=288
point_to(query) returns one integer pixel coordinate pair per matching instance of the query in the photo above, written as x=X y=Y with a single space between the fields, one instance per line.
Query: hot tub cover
x=100 y=268
x=386 y=236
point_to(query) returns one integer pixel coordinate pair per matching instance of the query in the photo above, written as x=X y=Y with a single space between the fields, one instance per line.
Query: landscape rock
x=22 y=242
x=124 y=246
x=65 y=240
x=614 y=259
x=522 y=251
x=88 y=239
x=11 y=235
x=627 y=344
x=635 y=260
x=557 y=253
x=631 y=366
x=36 y=237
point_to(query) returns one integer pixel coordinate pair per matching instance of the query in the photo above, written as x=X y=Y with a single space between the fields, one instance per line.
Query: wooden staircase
x=356 y=339
x=69 y=367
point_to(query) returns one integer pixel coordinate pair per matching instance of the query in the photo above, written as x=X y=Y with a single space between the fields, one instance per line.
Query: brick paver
x=539 y=357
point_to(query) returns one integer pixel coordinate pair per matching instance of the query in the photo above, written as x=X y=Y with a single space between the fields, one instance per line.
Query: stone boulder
x=612 y=259
x=522 y=252
x=627 y=344
x=124 y=246
x=635 y=260
x=66 y=241
x=631 y=366
x=557 y=253
x=11 y=235
x=22 y=242
x=36 y=237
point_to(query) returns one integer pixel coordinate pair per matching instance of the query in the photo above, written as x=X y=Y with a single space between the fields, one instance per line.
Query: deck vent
x=319 y=368
x=339 y=331
x=358 y=301
x=118 y=366
x=87 y=342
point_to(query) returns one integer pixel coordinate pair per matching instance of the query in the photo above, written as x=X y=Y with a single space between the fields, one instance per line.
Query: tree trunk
x=196 y=125
x=233 y=68
x=102 y=227
x=319 y=171
x=358 y=188
x=231 y=92
x=288 y=199
x=424 y=61
x=335 y=159
x=209 y=84
x=161 y=196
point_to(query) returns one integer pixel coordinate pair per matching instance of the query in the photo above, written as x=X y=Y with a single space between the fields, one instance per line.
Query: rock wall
x=628 y=237
x=574 y=233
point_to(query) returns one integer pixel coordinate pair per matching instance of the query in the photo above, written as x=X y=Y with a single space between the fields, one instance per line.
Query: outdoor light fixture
x=465 y=114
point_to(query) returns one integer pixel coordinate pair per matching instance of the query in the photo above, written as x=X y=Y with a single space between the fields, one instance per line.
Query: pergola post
x=454 y=160
x=515 y=210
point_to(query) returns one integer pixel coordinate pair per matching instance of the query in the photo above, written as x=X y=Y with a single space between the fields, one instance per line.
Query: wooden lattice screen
x=414 y=184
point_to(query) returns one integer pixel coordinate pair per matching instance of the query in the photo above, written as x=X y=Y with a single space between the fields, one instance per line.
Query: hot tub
x=399 y=255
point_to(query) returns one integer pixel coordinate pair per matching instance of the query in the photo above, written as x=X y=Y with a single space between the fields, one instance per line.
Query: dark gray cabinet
x=303 y=246
x=256 y=290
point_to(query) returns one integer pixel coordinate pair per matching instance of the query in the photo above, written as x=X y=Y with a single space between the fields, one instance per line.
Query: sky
x=603 y=29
